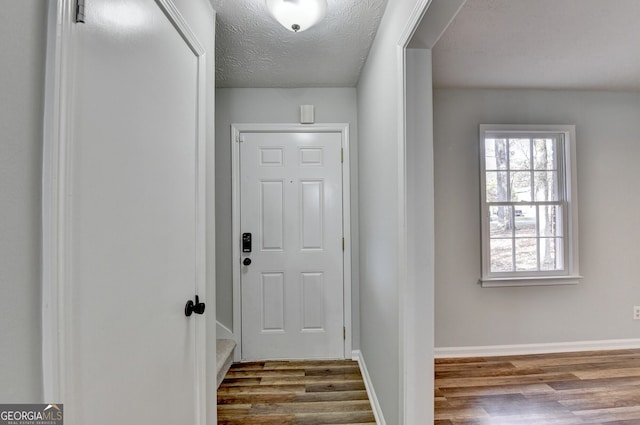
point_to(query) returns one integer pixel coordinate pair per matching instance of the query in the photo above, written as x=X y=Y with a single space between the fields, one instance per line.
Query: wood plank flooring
x=294 y=393
x=557 y=389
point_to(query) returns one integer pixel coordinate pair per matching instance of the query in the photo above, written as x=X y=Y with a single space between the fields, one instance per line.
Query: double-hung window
x=529 y=205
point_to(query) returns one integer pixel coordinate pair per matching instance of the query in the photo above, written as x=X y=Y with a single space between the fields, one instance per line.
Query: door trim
x=58 y=144
x=416 y=251
x=57 y=121
x=236 y=131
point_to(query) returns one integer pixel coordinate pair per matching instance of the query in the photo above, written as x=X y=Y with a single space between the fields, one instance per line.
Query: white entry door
x=134 y=218
x=292 y=280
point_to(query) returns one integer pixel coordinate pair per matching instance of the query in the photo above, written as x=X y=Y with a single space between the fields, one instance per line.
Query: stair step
x=224 y=357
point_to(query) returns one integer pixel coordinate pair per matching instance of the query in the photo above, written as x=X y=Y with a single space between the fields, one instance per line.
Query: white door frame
x=416 y=248
x=236 y=130
x=56 y=187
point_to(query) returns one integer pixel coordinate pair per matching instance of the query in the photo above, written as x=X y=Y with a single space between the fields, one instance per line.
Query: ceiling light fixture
x=297 y=15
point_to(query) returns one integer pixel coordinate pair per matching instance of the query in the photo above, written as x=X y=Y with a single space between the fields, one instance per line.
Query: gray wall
x=608 y=154
x=333 y=105
x=23 y=27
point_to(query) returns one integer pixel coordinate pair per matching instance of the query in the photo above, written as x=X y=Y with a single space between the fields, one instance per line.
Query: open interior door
x=131 y=206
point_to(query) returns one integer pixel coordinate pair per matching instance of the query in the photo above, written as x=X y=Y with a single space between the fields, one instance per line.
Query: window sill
x=497 y=282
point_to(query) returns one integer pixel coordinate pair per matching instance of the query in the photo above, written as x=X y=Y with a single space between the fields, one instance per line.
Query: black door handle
x=246 y=261
x=191 y=307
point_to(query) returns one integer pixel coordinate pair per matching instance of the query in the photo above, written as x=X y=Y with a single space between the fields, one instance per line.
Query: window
x=529 y=205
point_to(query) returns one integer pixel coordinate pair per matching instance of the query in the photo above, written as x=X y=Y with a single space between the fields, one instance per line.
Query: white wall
x=23 y=28
x=608 y=153
x=333 y=105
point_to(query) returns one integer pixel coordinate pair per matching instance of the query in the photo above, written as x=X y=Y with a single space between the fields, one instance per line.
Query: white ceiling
x=254 y=50
x=555 y=44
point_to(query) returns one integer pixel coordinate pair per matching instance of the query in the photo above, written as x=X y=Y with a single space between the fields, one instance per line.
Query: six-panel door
x=291 y=203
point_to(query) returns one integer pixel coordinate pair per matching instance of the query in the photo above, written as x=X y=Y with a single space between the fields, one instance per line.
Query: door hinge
x=240 y=138
x=80 y=11
x=344 y=333
x=343 y=244
x=342 y=155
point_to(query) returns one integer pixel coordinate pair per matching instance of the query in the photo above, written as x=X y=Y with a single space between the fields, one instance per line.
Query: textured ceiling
x=556 y=44
x=254 y=50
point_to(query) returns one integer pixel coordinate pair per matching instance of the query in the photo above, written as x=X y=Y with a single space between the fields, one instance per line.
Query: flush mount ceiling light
x=297 y=15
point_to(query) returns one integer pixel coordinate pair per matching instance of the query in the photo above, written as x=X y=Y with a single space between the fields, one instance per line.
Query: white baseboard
x=523 y=349
x=373 y=399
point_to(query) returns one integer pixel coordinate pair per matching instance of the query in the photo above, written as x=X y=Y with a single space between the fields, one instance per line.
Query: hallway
x=294 y=393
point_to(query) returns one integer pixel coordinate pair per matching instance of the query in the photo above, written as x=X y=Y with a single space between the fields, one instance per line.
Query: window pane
x=525 y=221
x=490 y=154
x=545 y=153
x=495 y=154
x=521 y=186
x=527 y=254
x=519 y=154
x=496 y=182
x=546 y=186
x=551 y=254
x=501 y=255
x=500 y=222
x=551 y=221
x=491 y=182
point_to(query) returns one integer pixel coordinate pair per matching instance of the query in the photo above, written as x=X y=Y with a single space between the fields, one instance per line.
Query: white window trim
x=571 y=274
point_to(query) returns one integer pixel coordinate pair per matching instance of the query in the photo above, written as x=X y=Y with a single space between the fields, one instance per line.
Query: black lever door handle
x=199 y=307
x=191 y=307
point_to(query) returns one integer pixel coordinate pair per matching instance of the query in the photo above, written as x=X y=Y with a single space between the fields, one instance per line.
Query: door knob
x=246 y=261
x=191 y=307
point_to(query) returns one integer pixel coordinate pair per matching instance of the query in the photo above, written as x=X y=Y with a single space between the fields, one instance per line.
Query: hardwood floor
x=560 y=389
x=294 y=393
